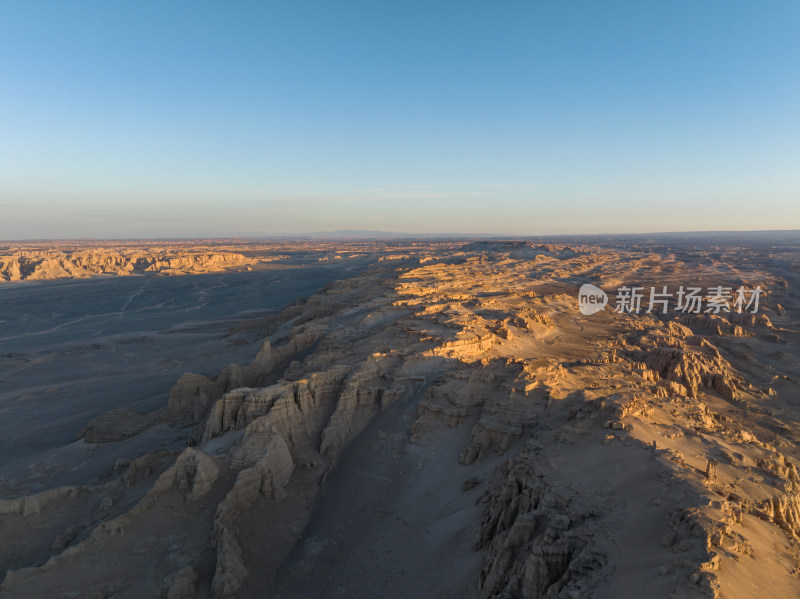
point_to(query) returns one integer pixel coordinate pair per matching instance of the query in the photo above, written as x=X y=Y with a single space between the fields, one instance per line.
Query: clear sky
x=166 y=118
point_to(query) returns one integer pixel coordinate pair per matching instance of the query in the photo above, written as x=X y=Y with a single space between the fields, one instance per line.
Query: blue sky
x=150 y=119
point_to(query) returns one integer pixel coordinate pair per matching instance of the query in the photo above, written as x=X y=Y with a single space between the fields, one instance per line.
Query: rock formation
x=582 y=456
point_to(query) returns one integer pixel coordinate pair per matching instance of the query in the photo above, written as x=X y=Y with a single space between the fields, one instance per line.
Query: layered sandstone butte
x=448 y=424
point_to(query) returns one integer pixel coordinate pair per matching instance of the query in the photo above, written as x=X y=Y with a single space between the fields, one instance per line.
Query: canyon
x=443 y=421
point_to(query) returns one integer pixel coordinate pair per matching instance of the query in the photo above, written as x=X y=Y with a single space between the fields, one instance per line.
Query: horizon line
x=377 y=235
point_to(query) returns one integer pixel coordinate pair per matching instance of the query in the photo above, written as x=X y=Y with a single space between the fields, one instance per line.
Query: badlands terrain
x=41 y=261
x=37 y=263
x=440 y=420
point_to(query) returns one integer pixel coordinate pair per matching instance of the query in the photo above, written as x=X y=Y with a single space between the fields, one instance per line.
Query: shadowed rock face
x=449 y=424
